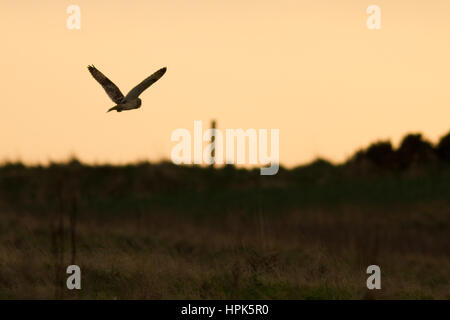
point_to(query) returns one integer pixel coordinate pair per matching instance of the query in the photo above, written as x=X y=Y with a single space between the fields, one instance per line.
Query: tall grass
x=159 y=232
x=308 y=254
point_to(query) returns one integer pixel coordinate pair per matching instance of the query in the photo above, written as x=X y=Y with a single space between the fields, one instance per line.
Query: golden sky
x=309 y=68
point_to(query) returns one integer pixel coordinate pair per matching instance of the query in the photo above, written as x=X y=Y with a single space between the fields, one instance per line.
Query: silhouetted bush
x=382 y=154
x=317 y=170
x=414 y=150
x=443 y=148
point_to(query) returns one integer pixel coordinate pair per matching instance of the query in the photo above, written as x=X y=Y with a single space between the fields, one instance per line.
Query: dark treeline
x=413 y=151
x=416 y=169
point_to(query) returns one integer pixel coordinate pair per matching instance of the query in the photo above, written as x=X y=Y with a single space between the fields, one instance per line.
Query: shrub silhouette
x=443 y=148
x=382 y=154
x=414 y=150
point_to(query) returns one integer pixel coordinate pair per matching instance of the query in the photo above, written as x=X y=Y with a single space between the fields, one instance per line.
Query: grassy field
x=160 y=231
x=267 y=243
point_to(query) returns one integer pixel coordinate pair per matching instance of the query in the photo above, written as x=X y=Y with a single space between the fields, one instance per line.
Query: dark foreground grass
x=306 y=253
x=159 y=231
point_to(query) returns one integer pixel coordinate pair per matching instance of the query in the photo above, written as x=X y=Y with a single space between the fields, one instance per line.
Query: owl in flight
x=131 y=100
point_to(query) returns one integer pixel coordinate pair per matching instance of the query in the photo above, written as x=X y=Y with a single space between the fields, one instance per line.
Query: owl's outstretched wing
x=136 y=91
x=111 y=89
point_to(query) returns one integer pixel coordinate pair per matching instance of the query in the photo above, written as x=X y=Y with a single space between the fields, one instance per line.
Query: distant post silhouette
x=213 y=144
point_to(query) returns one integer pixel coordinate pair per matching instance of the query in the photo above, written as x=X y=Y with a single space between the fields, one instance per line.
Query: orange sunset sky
x=309 y=68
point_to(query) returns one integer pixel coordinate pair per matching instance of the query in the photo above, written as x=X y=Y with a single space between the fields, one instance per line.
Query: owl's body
x=127 y=105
